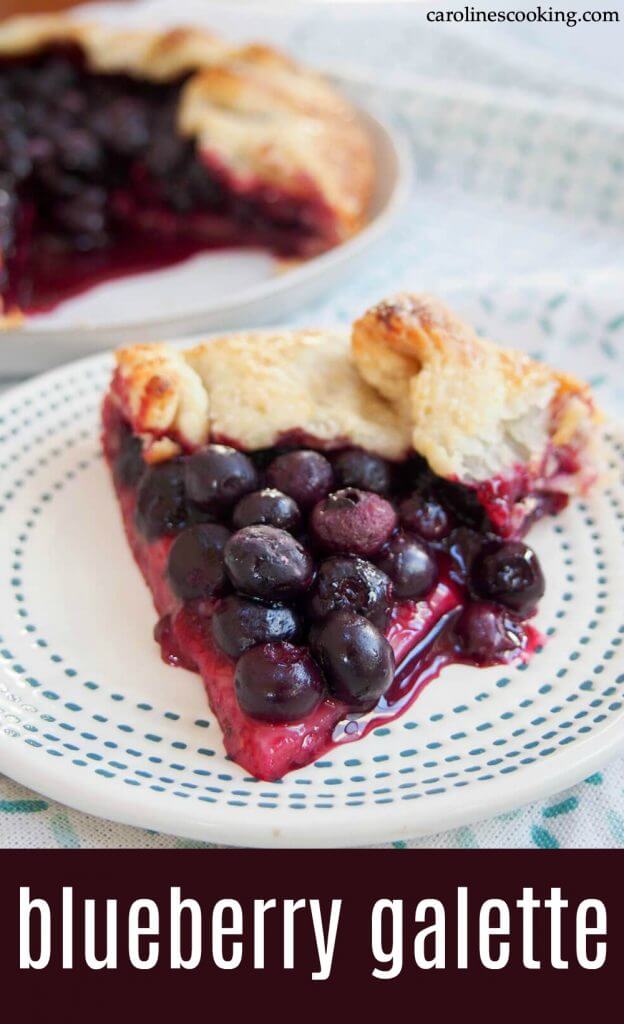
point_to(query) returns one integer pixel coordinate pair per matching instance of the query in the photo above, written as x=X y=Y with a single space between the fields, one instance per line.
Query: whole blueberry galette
x=325 y=522
x=124 y=150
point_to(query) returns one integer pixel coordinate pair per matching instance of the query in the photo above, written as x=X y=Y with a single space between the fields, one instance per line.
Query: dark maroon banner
x=263 y=935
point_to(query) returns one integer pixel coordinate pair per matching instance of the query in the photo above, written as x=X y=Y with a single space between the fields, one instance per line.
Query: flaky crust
x=476 y=411
x=251 y=110
x=414 y=378
x=254 y=391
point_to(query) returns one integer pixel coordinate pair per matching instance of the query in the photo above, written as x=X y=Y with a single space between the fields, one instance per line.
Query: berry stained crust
x=316 y=595
x=96 y=182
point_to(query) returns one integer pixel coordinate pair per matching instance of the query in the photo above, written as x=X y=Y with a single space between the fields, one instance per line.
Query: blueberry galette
x=124 y=150
x=325 y=521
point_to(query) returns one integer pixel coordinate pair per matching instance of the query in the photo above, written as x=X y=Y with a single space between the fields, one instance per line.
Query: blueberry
x=265 y=562
x=56 y=74
x=416 y=475
x=161 y=505
x=278 y=682
x=79 y=151
x=74 y=102
x=239 y=623
x=346 y=583
x=306 y=476
x=363 y=470
x=195 y=567
x=426 y=517
x=410 y=565
x=203 y=191
x=352 y=521
x=129 y=463
x=463 y=546
x=487 y=633
x=122 y=124
x=463 y=503
x=218 y=476
x=165 y=154
x=268 y=508
x=357 y=660
x=40 y=149
x=509 y=573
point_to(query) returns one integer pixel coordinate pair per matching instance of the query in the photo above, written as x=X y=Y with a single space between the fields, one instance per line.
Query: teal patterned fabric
x=517 y=204
x=589 y=815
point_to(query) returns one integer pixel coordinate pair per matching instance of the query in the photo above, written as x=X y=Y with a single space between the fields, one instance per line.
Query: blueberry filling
x=410 y=565
x=161 y=506
x=352 y=521
x=348 y=583
x=95 y=181
x=196 y=567
x=509 y=573
x=267 y=507
x=305 y=586
x=239 y=623
x=306 y=476
x=264 y=562
x=278 y=682
x=357 y=660
x=218 y=476
x=363 y=470
x=425 y=516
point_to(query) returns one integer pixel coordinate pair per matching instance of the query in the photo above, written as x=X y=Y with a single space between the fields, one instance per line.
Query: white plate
x=90 y=715
x=211 y=291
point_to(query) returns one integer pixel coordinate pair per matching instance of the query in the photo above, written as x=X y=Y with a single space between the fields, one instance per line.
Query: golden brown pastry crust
x=254 y=390
x=415 y=378
x=476 y=410
x=261 y=115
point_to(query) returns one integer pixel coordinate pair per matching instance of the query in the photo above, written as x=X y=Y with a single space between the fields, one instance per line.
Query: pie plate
x=91 y=716
x=220 y=289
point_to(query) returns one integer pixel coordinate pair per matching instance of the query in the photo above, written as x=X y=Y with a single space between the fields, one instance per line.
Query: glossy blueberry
x=357 y=660
x=410 y=565
x=239 y=623
x=78 y=151
x=265 y=562
x=278 y=682
x=426 y=517
x=348 y=583
x=463 y=546
x=129 y=463
x=161 y=502
x=217 y=476
x=306 y=476
x=509 y=573
x=487 y=633
x=363 y=470
x=267 y=507
x=416 y=475
x=195 y=567
x=353 y=522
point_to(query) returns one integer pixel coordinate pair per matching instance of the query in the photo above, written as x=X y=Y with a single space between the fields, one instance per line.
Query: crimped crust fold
x=413 y=378
x=476 y=411
x=250 y=108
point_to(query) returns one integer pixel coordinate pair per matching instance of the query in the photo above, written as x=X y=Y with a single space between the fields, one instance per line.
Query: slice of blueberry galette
x=128 y=150
x=326 y=522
